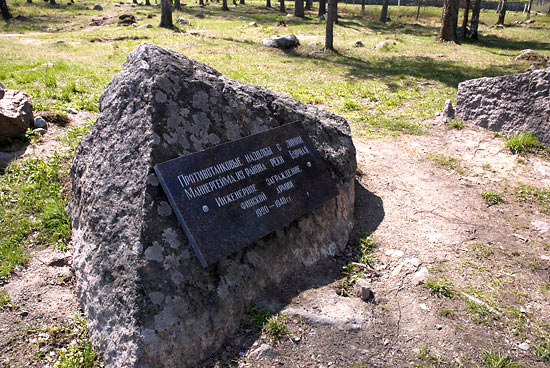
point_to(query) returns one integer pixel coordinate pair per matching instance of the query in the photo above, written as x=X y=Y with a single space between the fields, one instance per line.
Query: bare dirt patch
x=430 y=223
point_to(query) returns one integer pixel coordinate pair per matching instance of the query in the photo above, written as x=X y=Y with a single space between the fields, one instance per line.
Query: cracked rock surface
x=511 y=103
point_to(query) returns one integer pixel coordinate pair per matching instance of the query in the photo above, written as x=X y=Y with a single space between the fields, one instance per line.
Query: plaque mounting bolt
x=308 y=164
x=205 y=208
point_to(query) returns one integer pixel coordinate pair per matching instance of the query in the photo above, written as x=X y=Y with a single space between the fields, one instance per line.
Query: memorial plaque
x=230 y=195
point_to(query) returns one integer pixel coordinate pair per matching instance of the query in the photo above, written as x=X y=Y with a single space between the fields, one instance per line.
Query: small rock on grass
x=39 y=122
x=383 y=45
x=358 y=43
x=70 y=110
x=183 y=21
x=98 y=7
x=524 y=346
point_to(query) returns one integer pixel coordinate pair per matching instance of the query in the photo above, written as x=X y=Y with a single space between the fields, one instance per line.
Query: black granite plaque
x=228 y=196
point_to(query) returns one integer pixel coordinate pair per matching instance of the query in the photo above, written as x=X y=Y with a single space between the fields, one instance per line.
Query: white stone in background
x=70 y=110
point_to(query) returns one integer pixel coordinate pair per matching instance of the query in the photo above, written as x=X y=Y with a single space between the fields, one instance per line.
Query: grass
x=522 y=143
x=30 y=194
x=498 y=360
x=440 y=288
x=529 y=194
x=75 y=348
x=481 y=251
x=426 y=355
x=446 y=312
x=275 y=328
x=542 y=349
x=4 y=299
x=353 y=271
x=479 y=313
x=456 y=124
x=446 y=162
x=259 y=317
x=492 y=198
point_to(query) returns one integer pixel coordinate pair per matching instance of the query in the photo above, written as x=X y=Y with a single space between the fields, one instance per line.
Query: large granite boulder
x=511 y=103
x=15 y=113
x=147 y=300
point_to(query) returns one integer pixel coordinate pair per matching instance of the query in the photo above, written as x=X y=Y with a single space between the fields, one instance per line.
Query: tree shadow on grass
x=393 y=28
x=495 y=42
x=390 y=68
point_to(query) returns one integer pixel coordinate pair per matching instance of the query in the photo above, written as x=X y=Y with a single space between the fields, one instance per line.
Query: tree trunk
x=465 y=20
x=474 y=23
x=499 y=6
x=335 y=12
x=529 y=9
x=166 y=14
x=449 y=21
x=242 y=2
x=52 y=2
x=502 y=13
x=4 y=9
x=282 y=6
x=147 y=2
x=268 y=3
x=201 y=2
x=299 y=8
x=224 y=5
x=329 y=30
x=177 y=5
x=309 y=4
x=362 y=7
x=418 y=9
x=384 y=14
x=29 y=1
x=322 y=7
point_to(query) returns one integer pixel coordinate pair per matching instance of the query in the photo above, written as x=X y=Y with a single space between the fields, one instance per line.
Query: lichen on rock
x=148 y=301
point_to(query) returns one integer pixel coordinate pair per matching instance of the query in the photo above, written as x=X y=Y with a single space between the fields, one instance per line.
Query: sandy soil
x=429 y=222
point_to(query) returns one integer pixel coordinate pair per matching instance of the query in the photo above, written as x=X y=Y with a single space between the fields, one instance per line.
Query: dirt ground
x=429 y=222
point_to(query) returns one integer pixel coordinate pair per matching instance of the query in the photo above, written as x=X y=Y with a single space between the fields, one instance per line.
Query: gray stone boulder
x=511 y=103
x=148 y=301
x=183 y=21
x=537 y=60
x=15 y=113
x=39 y=122
x=288 y=41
